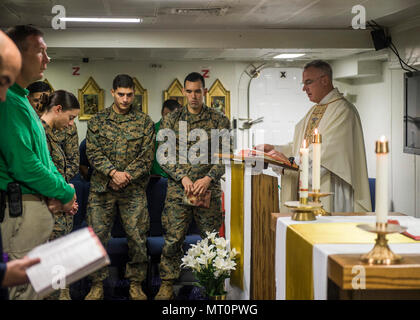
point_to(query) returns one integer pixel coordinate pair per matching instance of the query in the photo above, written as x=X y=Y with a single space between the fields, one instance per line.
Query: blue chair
x=372 y=182
x=82 y=192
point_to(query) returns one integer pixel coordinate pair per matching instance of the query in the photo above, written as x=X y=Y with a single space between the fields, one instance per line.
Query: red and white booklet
x=272 y=155
x=66 y=260
x=411 y=232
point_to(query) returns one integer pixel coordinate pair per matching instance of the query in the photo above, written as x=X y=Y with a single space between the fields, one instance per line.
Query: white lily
x=222 y=253
x=233 y=253
x=211 y=236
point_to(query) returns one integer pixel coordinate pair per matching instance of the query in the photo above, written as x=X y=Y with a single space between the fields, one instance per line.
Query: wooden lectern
x=251 y=195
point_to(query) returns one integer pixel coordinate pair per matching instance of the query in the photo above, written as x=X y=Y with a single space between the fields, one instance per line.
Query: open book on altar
x=66 y=260
x=412 y=231
x=269 y=157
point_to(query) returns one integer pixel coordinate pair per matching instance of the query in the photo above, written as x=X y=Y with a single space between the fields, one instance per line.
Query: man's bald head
x=10 y=64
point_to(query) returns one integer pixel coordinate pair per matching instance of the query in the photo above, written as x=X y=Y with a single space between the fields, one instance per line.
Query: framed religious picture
x=140 y=96
x=47 y=82
x=175 y=92
x=219 y=98
x=91 y=99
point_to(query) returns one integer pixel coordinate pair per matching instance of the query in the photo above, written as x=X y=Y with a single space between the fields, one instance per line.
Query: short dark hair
x=63 y=98
x=194 y=77
x=122 y=81
x=321 y=65
x=39 y=86
x=19 y=34
x=171 y=104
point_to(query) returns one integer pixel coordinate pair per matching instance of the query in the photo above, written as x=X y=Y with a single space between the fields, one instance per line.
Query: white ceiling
x=240 y=14
x=179 y=54
x=255 y=15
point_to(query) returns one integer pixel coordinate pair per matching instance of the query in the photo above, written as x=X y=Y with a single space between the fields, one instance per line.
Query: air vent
x=195 y=11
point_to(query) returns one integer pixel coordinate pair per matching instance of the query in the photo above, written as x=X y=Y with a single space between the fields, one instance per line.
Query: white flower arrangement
x=211 y=262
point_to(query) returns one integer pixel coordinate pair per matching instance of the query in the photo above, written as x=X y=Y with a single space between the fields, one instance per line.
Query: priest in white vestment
x=343 y=157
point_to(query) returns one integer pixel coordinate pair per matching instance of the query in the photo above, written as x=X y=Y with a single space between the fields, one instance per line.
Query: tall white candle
x=316 y=161
x=381 y=187
x=304 y=164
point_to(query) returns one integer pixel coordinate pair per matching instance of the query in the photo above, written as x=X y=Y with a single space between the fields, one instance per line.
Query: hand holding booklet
x=271 y=155
x=66 y=260
x=202 y=201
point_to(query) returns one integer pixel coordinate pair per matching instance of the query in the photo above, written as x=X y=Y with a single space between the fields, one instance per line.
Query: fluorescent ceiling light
x=288 y=55
x=118 y=20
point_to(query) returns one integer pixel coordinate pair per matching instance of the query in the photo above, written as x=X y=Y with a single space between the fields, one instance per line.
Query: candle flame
x=316 y=131
x=382 y=139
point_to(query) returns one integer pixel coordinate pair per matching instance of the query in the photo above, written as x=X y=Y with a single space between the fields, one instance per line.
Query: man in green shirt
x=25 y=159
x=12 y=273
x=167 y=107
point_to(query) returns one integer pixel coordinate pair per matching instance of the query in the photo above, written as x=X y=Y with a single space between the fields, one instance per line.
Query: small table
x=341 y=261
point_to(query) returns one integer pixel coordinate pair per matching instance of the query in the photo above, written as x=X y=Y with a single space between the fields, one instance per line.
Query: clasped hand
x=119 y=180
x=197 y=188
x=55 y=206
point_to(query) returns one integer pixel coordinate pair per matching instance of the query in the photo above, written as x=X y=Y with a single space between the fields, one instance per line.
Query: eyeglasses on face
x=308 y=82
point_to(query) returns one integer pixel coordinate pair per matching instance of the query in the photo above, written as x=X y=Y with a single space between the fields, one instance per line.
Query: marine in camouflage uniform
x=124 y=142
x=69 y=141
x=177 y=216
x=63 y=223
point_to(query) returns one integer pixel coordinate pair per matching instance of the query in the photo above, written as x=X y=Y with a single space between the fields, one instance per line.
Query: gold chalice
x=381 y=253
x=316 y=195
x=303 y=210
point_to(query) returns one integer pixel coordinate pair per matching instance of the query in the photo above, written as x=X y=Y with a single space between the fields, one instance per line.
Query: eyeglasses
x=309 y=81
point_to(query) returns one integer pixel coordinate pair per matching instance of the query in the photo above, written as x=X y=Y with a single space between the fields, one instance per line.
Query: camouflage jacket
x=124 y=142
x=207 y=120
x=69 y=141
x=56 y=151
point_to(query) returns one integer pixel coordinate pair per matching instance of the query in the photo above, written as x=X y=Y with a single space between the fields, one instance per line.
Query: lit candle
x=304 y=164
x=316 y=161
x=381 y=187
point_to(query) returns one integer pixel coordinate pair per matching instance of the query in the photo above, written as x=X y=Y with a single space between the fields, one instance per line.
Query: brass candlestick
x=316 y=195
x=381 y=253
x=302 y=209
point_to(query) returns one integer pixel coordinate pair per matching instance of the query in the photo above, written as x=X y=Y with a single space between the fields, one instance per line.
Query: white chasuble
x=343 y=157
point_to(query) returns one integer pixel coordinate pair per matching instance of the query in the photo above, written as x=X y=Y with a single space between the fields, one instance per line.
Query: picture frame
x=47 y=82
x=174 y=92
x=140 y=97
x=91 y=99
x=218 y=97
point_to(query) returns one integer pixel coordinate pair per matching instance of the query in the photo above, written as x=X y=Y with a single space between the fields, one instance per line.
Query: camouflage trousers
x=176 y=219
x=63 y=224
x=135 y=221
